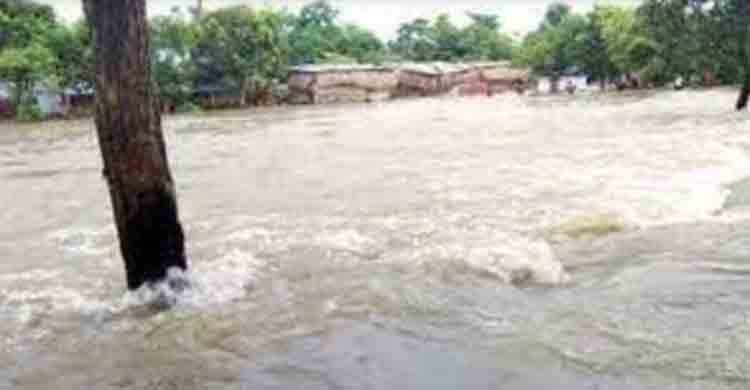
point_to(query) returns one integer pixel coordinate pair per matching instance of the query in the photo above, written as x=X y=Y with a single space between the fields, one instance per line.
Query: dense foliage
x=173 y=38
x=26 y=57
x=702 y=37
x=442 y=40
x=706 y=41
x=241 y=47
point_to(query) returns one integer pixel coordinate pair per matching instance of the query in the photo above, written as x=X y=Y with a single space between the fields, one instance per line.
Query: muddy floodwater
x=508 y=243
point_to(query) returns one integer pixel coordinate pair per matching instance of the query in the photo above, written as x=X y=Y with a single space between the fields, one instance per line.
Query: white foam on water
x=208 y=284
x=29 y=298
x=85 y=241
x=520 y=260
x=510 y=258
x=32 y=301
x=676 y=173
x=706 y=190
x=350 y=240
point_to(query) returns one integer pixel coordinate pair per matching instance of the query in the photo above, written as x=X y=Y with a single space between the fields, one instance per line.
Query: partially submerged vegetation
x=589 y=227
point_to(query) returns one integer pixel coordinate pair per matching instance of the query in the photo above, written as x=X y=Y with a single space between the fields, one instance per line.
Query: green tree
x=595 y=60
x=23 y=21
x=483 y=39
x=677 y=53
x=557 y=46
x=704 y=34
x=449 y=40
x=556 y=13
x=73 y=50
x=174 y=38
x=415 y=41
x=24 y=68
x=244 y=47
x=488 y=21
x=628 y=46
x=314 y=34
x=320 y=14
x=441 y=40
x=361 y=45
x=35 y=48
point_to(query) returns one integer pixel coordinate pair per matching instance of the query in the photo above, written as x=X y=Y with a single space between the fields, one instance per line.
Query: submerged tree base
x=744 y=97
x=155 y=240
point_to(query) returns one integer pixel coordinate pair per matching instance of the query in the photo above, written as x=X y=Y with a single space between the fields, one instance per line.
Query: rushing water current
x=508 y=243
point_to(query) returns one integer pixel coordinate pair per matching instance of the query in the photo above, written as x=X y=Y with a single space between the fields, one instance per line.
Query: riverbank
x=589 y=93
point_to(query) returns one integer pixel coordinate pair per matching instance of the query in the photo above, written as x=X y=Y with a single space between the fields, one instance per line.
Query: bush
x=188 y=108
x=29 y=113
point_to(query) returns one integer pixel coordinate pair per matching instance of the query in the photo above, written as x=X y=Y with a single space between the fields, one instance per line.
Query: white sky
x=382 y=16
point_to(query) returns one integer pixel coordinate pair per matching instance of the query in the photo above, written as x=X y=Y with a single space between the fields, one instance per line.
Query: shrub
x=29 y=113
x=188 y=108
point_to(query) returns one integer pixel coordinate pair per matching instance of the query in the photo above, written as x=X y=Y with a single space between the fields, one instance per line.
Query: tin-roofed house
x=6 y=107
x=431 y=79
x=49 y=100
x=502 y=78
x=472 y=79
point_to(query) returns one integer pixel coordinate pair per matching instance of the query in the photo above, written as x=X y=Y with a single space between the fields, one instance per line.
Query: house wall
x=464 y=80
x=49 y=101
x=6 y=108
x=544 y=84
x=341 y=85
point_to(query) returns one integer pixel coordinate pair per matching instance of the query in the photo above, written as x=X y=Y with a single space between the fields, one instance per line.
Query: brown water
x=517 y=242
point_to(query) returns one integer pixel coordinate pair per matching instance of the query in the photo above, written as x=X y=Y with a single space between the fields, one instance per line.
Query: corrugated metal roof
x=427 y=68
x=339 y=68
x=435 y=68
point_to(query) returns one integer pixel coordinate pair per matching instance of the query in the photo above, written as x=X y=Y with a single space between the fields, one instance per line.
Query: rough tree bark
x=744 y=55
x=128 y=122
x=244 y=92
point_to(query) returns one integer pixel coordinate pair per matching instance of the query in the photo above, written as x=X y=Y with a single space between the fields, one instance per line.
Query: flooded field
x=515 y=243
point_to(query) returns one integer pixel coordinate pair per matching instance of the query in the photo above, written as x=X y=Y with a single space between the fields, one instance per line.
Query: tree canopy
x=242 y=47
x=28 y=36
x=558 y=44
x=442 y=40
x=697 y=37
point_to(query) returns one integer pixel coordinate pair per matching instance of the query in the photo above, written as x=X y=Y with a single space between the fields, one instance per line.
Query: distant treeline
x=250 y=49
x=659 y=41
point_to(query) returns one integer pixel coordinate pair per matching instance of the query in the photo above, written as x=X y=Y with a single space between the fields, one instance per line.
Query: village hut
x=323 y=84
x=502 y=78
x=431 y=79
x=473 y=79
x=6 y=108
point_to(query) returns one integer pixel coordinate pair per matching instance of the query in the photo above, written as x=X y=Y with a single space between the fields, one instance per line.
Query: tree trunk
x=744 y=93
x=244 y=92
x=199 y=10
x=554 y=84
x=128 y=122
x=19 y=93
